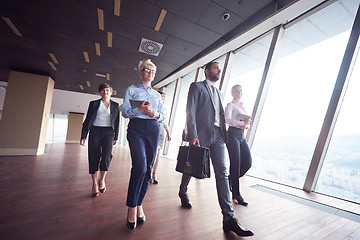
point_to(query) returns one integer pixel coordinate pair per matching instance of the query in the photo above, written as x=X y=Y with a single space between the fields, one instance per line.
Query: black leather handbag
x=194 y=161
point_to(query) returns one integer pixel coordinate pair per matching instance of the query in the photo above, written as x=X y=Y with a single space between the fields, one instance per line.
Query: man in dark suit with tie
x=205 y=124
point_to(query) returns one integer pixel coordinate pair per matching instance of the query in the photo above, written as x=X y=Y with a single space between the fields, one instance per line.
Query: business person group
x=205 y=124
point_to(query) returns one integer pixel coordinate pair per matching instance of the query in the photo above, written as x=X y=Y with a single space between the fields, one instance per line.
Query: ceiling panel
x=188 y=9
x=243 y=8
x=188 y=31
x=181 y=47
x=66 y=28
x=212 y=19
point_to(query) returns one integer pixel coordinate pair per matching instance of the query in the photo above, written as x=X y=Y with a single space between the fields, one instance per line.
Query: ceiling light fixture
x=160 y=19
x=88 y=83
x=117 y=7
x=97 y=49
x=53 y=58
x=108 y=76
x=12 y=26
x=225 y=16
x=81 y=87
x=86 y=56
x=100 y=75
x=52 y=66
x=109 y=39
x=100 y=18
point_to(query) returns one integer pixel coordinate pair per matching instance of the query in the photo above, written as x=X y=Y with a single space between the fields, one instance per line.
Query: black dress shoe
x=185 y=202
x=141 y=219
x=130 y=225
x=240 y=200
x=233 y=225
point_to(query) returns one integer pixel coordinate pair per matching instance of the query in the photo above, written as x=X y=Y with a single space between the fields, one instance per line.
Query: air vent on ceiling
x=150 y=47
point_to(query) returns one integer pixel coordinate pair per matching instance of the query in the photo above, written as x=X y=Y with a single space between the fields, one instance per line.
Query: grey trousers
x=217 y=155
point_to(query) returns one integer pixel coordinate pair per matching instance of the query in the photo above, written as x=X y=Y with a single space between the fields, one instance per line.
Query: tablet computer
x=243 y=117
x=136 y=103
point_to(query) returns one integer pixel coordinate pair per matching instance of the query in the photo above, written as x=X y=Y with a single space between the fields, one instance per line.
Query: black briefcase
x=194 y=161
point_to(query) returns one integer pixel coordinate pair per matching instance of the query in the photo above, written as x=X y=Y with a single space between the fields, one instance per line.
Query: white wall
x=64 y=101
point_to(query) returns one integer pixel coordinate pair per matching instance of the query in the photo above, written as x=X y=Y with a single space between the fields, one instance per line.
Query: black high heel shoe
x=154 y=179
x=141 y=219
x=130 y=225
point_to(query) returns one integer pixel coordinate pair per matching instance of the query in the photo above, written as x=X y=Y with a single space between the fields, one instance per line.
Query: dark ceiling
x=66 y=29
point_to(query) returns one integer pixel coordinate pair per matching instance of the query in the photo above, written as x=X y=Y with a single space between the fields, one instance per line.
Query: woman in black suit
x=102 y=120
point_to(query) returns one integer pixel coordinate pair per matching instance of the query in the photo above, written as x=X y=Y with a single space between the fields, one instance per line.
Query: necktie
x=217 y=106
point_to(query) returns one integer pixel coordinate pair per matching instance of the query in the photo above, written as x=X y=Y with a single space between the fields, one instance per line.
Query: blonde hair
x=145 y=63
x=233 y=88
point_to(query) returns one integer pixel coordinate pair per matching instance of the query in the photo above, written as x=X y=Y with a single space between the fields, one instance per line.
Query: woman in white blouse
x=102 y=121
x=237 y=119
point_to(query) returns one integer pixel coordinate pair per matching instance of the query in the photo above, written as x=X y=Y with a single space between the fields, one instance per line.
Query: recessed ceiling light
x=12 y=26
x=53 y=58
x=117 y=7
x=84 y=70
x=160 y=19
x=86 y=56
x=100 y=18
x=88 y=83
x=109 y=39
x=97 y=49
x=100 y=75
x=81 y=87
x=225 y=16
x=52 y=66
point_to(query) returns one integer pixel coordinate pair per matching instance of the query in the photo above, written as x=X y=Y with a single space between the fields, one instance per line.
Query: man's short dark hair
x=103 y=86
x=208 y=65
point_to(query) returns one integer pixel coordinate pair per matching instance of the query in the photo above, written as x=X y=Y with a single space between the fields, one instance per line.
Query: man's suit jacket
x=91 y=115
x=200 y=114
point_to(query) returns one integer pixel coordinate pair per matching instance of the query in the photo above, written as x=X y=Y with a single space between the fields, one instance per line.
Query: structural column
x=75 y=121
x=25 y=114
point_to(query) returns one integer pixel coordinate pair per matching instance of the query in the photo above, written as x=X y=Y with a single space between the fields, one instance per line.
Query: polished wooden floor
x=48 y=197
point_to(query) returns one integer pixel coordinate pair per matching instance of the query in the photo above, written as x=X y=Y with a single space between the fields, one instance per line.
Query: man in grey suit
x=205 y=124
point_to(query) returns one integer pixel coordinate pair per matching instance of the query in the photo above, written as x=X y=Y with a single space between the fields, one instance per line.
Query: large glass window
x=340 y=174
x=168 y=102
x=180 y=113
x=299 y=94
x=169 y=96
x=57 y=128
x=221 y=61
x=247 y=69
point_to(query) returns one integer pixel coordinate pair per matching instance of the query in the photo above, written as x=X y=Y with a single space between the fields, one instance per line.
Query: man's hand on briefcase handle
x=194 y=142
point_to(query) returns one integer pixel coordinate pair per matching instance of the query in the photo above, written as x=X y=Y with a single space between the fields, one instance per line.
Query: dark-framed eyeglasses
x=149 y=70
